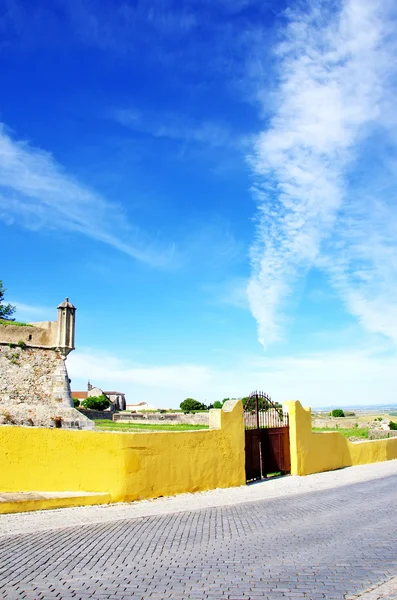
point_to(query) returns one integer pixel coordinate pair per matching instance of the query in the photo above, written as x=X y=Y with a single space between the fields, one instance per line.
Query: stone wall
x=379 y=434
x=36 y=334
x=26 y=375
x=153 y=418
x=342 y=422
x=34 y=388
x=96 y=414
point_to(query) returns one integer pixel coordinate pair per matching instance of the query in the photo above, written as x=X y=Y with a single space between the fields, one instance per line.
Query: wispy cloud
x=231 y=292
x=121 y=25
x=27 y=312
x=175 y=126
x=334 y=70
x=37 y=193
x=362 y=256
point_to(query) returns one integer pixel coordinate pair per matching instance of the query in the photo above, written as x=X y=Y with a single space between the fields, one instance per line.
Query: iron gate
x=266 y=438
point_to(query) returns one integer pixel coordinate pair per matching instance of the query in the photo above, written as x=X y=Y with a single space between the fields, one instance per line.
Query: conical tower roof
x=66 y=304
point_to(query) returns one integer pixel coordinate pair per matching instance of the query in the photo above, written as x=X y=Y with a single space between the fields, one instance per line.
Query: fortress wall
x=35 y=390
x=27 y=375
x=40 y=334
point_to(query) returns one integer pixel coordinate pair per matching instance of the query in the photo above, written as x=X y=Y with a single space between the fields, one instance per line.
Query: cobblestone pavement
x=386 y=591
x=330 y=544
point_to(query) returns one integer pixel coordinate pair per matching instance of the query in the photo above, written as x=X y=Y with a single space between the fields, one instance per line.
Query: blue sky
x=213 y=185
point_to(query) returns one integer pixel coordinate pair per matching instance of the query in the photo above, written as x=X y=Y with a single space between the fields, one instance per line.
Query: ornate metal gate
x=266 y=438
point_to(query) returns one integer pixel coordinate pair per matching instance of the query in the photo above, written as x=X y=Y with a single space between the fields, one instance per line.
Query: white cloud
x=331 y=378
x=37 y=193
x=364 y=270
x=334 y=71
x=26 y=312
x=231 y=292
x=98 y=368
x=174 y=126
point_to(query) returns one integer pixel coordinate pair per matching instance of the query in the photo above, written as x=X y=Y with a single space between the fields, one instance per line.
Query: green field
x=107 y=425
x=347 y=433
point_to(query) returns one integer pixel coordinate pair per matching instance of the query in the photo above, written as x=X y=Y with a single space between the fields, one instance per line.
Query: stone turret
x=66 y=326
x=34 y=381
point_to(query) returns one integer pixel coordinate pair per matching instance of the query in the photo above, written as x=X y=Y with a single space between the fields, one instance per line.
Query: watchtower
x=66 y=325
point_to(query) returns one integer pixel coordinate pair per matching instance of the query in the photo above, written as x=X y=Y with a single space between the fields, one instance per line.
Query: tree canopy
x=6 y=310
x=337 y=412
x=96 y=402
x=190 y=404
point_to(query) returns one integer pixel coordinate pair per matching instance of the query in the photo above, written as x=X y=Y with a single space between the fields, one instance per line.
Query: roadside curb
x=12 y=524
x=386 y=591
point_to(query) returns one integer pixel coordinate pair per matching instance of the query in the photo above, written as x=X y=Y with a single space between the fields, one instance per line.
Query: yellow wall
x=317 y=452
x=128 y=466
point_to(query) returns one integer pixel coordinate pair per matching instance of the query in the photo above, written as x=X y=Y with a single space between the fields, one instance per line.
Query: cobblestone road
x=328 y=544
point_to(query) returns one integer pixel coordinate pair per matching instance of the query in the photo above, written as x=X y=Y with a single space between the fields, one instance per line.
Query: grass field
x=359 y=432
x=15 y=323
x=107 y=425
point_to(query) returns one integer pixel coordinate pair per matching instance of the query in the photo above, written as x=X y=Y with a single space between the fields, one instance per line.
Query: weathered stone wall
x=96 y=414
x=27 y=375
x=152 y=418
x=34 y=389
x=342 y=422
x=377 y=434
x=36 y=334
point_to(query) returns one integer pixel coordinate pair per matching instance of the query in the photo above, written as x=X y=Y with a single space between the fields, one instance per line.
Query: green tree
x=218 y=404
x=263 y=404
x=76 y=402
x=337 y=412
x=96 y=402
x=190 y=405
x=6 y=310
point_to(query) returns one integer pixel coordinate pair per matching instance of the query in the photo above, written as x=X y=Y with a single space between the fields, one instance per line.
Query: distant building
x=79 y=395
x=116 y=398
x=140 y=407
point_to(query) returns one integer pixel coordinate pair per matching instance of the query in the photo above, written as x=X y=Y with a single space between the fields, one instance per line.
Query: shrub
x=76 y=402
x=337 y=412
x=190 y=405
x=96 y=402
x=8 y=419
x=393 y=425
